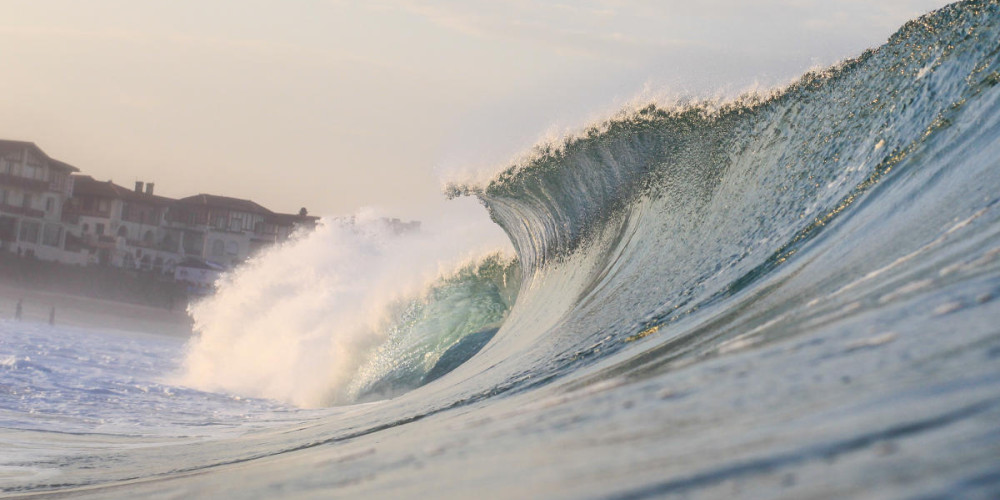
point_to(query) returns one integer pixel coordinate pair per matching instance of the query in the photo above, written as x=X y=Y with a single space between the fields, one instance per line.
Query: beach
x=86 y=312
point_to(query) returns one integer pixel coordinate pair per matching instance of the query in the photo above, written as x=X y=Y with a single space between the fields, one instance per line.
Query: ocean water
x=792 y=295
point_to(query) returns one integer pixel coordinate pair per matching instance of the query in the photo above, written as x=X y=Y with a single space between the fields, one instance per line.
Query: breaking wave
x=622 y=229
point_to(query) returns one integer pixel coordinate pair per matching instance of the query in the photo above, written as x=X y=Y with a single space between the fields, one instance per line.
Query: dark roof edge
x=43 y=154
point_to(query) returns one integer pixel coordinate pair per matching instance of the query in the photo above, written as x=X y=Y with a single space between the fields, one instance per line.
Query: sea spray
x=295 y=323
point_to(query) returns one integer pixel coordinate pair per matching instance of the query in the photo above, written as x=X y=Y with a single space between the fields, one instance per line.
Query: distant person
x=52 y=316
x=17 y=310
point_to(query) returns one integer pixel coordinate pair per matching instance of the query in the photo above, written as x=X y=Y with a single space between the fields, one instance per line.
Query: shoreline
x=89 y=312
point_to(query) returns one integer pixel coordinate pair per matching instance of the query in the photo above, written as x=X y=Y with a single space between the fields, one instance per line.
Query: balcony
x=164 y=245
x=23 y=182
x=30 y=212
x=96 y=241
x=78 y=212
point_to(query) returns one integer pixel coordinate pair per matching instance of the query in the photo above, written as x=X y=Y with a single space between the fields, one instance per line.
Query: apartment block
x=33 y=191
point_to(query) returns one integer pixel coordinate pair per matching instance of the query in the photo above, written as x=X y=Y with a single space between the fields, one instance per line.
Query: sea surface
x=787 y=295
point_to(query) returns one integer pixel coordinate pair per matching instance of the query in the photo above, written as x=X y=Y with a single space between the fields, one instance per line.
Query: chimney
x=138 y=186
x=149 y=188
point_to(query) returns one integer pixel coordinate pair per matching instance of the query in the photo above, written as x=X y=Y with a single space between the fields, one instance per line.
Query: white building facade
x=33 y=191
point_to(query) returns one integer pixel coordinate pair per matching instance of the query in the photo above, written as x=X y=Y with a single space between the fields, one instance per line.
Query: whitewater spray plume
x=295 y=323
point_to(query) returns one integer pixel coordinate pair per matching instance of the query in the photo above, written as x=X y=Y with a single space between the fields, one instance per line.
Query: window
x=102 y=206
x=193 y=243
x=232 y=248
x=169 y=242
x=52 y=235
x=26 y=201
x=219 y=222
x=57 y=181
x=50 y=204
x=217 y=248
x=236 y=223
x=29 y=231
x=99 y=228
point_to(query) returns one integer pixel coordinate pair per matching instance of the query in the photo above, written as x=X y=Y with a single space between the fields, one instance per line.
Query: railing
x=30 y=212
x=154 y=245
x=147 y=219
x=77 y=212
x=96 y=241
x=24 y=182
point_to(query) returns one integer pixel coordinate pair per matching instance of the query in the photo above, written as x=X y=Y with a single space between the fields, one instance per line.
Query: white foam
x=297 y=322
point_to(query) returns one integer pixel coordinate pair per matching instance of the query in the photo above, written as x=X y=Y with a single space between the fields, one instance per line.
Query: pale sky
x=336 y=104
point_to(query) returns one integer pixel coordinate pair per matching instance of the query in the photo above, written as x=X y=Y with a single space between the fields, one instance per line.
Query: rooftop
x=7 y=145
x=225 y=202
x=87 y=185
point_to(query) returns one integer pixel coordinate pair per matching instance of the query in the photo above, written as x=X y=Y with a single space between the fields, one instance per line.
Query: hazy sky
x=334 y=105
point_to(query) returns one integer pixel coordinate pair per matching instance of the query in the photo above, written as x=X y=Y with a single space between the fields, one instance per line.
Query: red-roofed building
x=47 y=212
x=225 y=230
x=122 y=227
x=33 y=189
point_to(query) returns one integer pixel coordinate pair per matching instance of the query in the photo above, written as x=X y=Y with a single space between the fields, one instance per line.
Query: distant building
x=120 y=227
x=136 y=229
x=33 y=189
x=48 y=213
x=225 y=231
x=282 y=226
